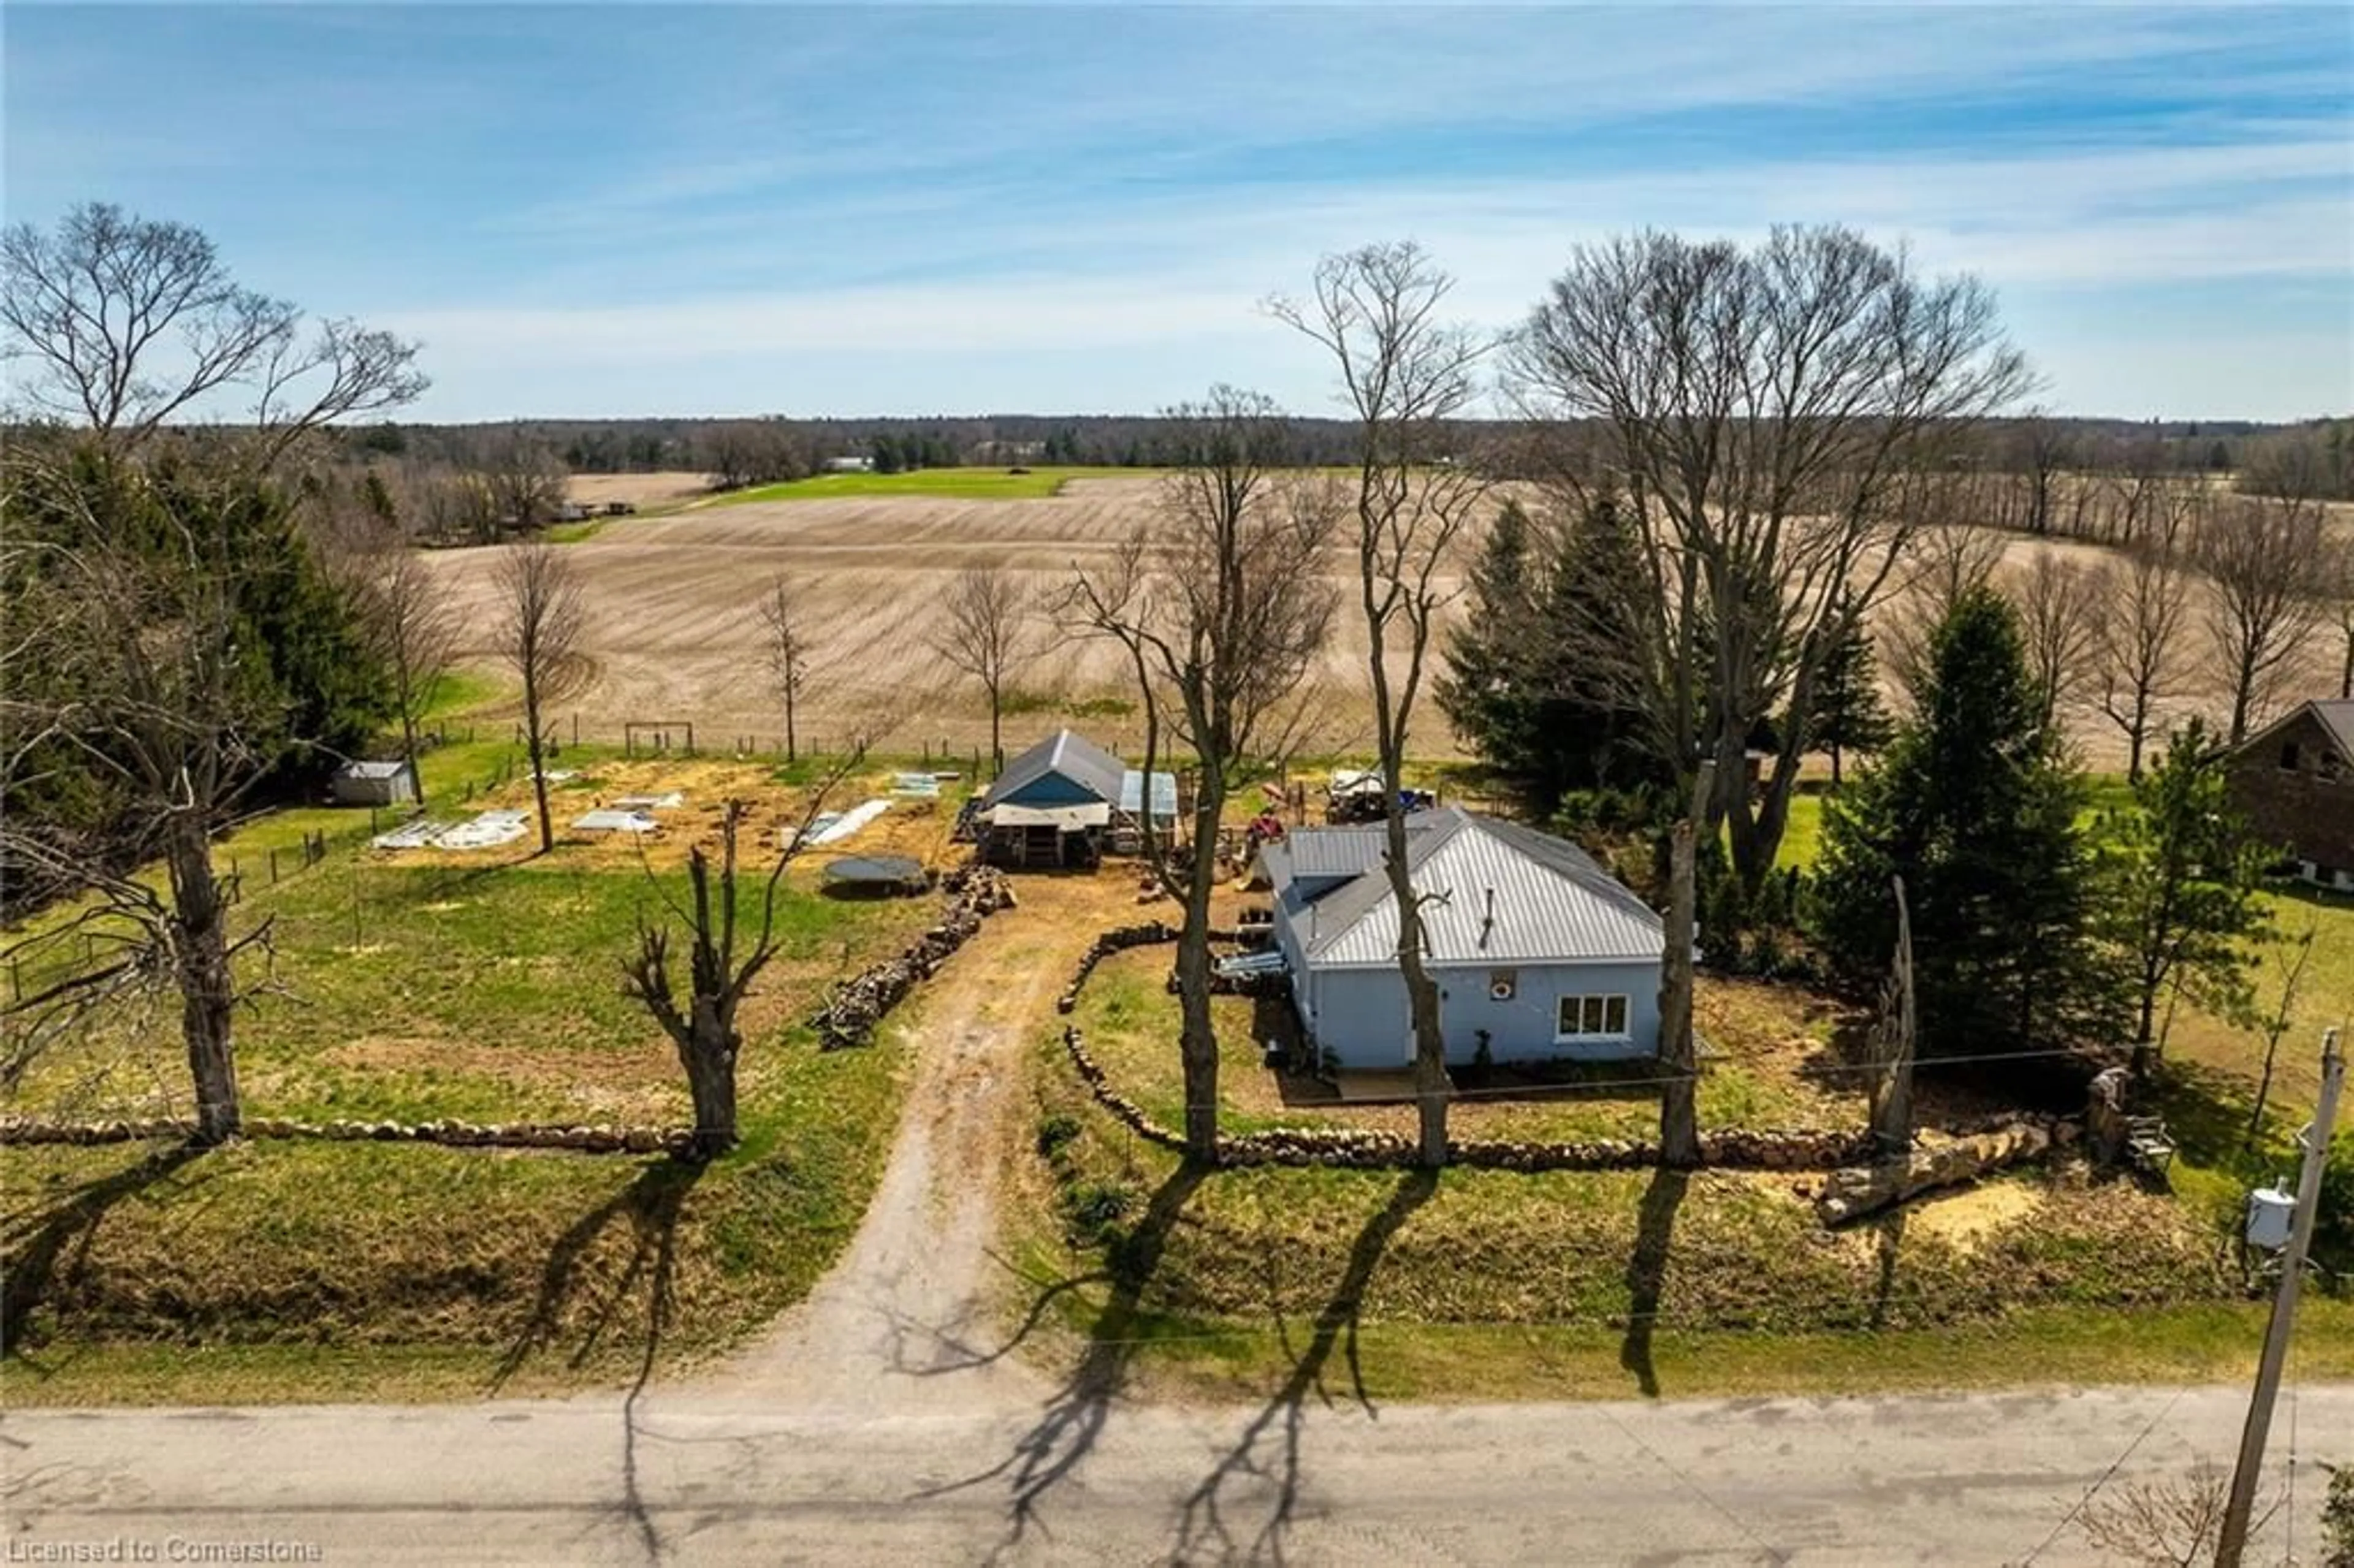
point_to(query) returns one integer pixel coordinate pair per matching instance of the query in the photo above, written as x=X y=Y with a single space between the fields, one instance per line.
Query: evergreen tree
x=2186 y=870
x=1587 y=736
x=1518 y=681
x=1848 y=714
x=1484 y=686
x=1975 y=806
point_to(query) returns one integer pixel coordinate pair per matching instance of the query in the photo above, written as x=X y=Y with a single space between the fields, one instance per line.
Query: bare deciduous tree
x=128 y=322
x=785 y=648
x=1218 y=604
x=2291 y=956
x=2173 y=1523
x=540 y=596
x=1947 y=561
x=1408 y=375
x=2337 y=597
x=2058 y=621
x=2264 y=558
x=1776 y=415
x=2143 y=601
x=701 y=1021
x=1679 y=1052
x=517 y=479
x=147 y=679
x=406 y=612
x=984 y=632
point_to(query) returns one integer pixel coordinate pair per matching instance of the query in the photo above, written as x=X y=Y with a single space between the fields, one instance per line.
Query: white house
x=1539 y=953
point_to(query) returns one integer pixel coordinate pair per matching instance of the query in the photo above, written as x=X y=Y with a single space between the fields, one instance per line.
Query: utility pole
x=2233 y=1540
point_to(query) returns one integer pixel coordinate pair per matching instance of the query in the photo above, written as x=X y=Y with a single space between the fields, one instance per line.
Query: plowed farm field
x=674 y=631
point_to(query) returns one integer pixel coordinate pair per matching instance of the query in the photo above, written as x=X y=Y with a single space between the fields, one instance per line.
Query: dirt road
x=911 y=1300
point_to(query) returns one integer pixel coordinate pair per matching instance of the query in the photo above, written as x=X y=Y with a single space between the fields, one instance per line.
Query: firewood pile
x=855 y=1008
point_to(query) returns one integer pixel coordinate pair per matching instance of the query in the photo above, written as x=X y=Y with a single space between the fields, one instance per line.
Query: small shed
x=374 y=784
x=1051 y=805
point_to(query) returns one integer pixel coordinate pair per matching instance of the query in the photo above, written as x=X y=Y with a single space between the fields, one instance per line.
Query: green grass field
x=409 y=991
x=1478 y=1284
x=959 y=484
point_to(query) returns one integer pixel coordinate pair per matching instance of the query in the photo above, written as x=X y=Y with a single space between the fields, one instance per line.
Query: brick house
x=2295 y=779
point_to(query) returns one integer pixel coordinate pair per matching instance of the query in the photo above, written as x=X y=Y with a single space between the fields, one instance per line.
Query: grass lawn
x=411 y=987
x=1499 y=1284
x=1567 y=1284
x=960 y=483
x=1760 y=1036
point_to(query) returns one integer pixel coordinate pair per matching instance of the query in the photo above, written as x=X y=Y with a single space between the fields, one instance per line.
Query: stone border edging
x=23 y=1131
x=1733 y=1149
x=855 y=1009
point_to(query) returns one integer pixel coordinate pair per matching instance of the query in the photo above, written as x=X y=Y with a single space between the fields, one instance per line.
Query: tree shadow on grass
x=650 y=1206
x=1204 y=1529
x=2206 y=1112
x=1647 y=1273
x=39 y=1247
x=1891 y=1248
x=1072 y=1419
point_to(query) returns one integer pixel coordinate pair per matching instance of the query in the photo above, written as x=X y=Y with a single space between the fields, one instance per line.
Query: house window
x=2289 y=758
x=1601 y=1017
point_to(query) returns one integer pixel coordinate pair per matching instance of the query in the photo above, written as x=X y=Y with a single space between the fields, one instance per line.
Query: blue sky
x=590 y=210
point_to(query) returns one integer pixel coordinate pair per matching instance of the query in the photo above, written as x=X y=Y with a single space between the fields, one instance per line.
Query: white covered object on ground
x=410 y=835
x=849 y=822
x=487 y=830
x=606 y=820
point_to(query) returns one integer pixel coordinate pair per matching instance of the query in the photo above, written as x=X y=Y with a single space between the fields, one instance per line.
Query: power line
x=2114 y=1464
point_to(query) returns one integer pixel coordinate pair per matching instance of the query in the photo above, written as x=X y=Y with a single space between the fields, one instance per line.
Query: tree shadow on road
x=1073 y=1417
x=650 y=1206
x=53 y=1240
x=1203 y=1527
x=1647 y=1273
x=951 y=1349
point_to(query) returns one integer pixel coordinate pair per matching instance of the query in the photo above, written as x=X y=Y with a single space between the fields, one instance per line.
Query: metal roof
x=1164 y=794
x=2335 y=716
x=373 y=769
x=1316 y=853
x=1065 y=752
x=1552 y=902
